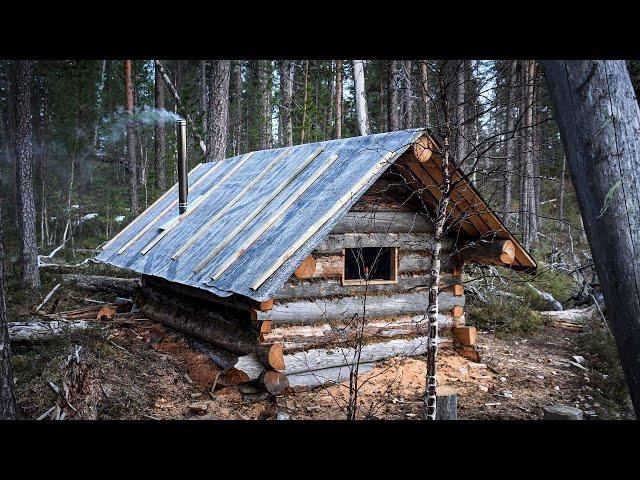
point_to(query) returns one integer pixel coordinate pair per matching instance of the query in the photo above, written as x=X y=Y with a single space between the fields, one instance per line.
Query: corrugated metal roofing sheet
x=253 y=218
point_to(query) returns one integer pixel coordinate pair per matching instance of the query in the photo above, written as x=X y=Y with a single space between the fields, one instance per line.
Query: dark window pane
x=369 y=263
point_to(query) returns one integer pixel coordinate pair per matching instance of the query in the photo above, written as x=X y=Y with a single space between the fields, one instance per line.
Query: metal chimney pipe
x=183 y=188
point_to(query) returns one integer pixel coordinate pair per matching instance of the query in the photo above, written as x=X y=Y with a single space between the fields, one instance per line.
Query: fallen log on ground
x=573 y=319
x=547 y=297
x=97 y=283
x=39 y=331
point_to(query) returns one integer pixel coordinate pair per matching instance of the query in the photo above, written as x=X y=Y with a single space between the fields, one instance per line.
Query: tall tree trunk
x=361 y=97
x=430 y=399
x=29 y=244
x=599 y=120
x=424 y=84
x=264 y=77
x=160 y=139
x=394 y=120
x=304 y=100
x=407 y=95
x=461 y=134
x=7 y=396
x=338 y=99
x=527 y=209
x=131 y=138
x=286 y=92
x=561 y=193
x=509 y=143
x=237 y=98
x=204 y=96
x=218 y=124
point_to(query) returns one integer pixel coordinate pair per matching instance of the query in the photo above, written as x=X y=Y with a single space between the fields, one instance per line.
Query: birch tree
x=24 y=171
x=218 y=122
x=599 y=120
x=361 y=97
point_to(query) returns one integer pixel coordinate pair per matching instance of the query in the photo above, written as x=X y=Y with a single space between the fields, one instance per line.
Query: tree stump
x=562 y=412
x=446 y=404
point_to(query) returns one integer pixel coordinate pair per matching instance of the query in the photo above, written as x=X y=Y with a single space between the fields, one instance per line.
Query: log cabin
x=276 y=257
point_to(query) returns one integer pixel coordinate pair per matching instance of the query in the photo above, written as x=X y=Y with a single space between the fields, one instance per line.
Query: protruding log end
x=423 y=149
x=307 y=268
x=500 y=252
x=273 y=382
x=272 y=356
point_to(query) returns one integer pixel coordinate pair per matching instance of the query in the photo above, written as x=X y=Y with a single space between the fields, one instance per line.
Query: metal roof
x=253 y=218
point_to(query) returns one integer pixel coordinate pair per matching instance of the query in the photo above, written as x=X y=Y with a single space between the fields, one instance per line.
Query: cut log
x=306 y=268
x=466 y=335
x=38 y=331
x=344 y=308
x=226 y=333
x=498 y=252
x=273 y=382
x=96 y=283
x=106 y=313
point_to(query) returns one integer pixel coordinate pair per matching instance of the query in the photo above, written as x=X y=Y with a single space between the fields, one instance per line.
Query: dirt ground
x=140 y=370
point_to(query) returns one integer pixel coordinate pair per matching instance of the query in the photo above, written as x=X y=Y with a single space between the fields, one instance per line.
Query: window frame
x=360 y=281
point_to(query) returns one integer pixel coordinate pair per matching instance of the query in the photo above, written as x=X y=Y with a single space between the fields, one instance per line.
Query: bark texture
x=160 y=144
x=361 y=97
x=394 y=120
x=599 y=120
x=286 y=93
x=509 y=143
x=7 y=397
x=131 y=138
x=218 y=122
x=24 y=170
x=338 y=99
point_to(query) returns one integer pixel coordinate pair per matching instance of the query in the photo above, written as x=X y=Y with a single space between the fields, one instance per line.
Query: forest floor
x=142 y=370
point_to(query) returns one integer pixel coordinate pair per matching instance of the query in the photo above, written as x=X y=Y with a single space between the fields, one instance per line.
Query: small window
x=370 y=264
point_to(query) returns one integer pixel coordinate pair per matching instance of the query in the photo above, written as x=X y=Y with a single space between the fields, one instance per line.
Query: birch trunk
x=24 y=170
x=361 y=97
x=430 y=399
x=218 y=123
x=599 y=120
